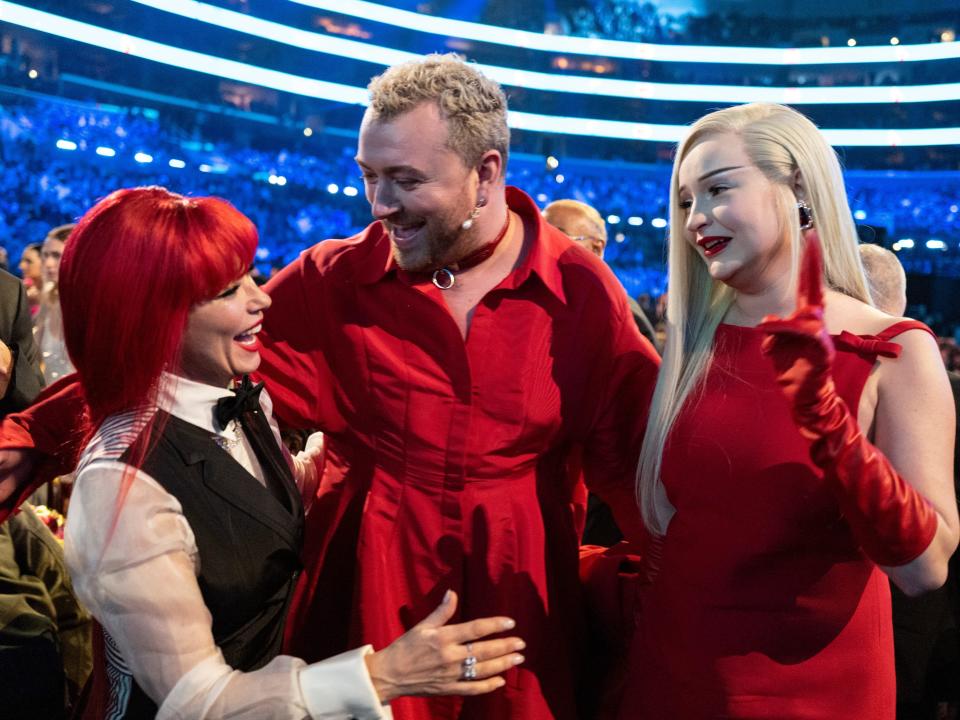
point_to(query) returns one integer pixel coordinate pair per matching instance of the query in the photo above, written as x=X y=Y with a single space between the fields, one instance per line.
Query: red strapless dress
x=763 y=606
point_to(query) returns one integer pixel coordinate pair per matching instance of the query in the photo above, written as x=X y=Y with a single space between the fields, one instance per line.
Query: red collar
x=542 y=258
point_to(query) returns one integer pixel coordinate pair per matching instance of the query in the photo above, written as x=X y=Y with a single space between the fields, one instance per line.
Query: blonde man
x=584 y=225
x=580 y=222
x=468 y=367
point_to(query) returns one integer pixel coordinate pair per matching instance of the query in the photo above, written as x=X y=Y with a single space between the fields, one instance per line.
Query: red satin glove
x=891 y=520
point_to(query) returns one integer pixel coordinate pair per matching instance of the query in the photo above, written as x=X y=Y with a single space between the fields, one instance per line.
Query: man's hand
x=431 y=658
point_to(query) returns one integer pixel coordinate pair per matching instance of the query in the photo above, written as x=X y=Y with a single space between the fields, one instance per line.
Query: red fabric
x=610 y=580
x=54 y=428
x=891 y=520
x=455 y=464
x=764 y=605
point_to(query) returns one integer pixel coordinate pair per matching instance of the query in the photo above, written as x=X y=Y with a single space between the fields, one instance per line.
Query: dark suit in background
x=34 y=588
x=16 y=331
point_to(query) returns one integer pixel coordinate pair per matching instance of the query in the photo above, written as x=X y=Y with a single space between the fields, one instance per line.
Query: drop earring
x=474 y=214
x=806 y=215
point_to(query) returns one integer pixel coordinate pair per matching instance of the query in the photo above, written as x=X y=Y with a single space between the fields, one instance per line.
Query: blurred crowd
x=635 y=21
x=298 y=198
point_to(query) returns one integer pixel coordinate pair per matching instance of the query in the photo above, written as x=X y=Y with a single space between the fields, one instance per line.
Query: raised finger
x=810 y=290
x=475 y=629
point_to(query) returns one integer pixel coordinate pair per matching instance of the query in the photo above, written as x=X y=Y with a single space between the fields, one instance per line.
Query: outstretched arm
x=136 y=571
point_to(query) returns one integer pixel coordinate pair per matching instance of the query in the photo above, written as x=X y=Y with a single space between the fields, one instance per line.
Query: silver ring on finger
x=468 y=668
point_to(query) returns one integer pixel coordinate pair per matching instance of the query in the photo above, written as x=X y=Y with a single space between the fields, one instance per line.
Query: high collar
x=190 y=400
x=545 y=249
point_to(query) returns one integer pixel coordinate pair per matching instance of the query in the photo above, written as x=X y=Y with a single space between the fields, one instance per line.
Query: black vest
x=249 y=539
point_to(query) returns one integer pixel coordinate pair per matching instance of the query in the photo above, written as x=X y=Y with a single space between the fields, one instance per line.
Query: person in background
x=43 y=631
x=886 y=278
x=584 y=225
x=49 y=320
x=926 y=629
x=31 y=270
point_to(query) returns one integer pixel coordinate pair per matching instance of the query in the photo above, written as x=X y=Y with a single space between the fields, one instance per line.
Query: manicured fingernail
x=509 y=624
x=517 y=659
x=446 y=597
x=500 y=682
x=519 y=645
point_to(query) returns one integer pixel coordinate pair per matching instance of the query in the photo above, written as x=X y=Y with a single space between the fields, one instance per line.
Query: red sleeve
x=612 y=449
x=293 y=365
x=55 y=428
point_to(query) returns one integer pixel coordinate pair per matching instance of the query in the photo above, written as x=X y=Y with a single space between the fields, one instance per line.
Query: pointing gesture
x=892 y=521
x=799 y=345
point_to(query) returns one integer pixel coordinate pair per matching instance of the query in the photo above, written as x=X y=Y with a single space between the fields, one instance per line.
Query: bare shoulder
x=842 y=312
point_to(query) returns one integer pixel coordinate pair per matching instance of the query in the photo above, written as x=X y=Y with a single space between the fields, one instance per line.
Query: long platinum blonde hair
x=780 y=142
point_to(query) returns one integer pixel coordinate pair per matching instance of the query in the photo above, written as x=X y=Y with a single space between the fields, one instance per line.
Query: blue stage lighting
x=631 y=50
x=550 y=82
x=219 y=67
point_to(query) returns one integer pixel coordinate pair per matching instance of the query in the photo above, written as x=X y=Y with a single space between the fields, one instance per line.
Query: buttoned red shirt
x=457 y=463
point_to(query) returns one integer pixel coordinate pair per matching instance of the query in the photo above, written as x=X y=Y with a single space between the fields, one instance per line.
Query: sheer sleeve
x=136 y=571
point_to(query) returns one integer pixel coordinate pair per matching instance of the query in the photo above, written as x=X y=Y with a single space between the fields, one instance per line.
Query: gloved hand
x=891 y=520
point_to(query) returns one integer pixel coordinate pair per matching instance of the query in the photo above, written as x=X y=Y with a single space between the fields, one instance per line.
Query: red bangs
x=132 y=269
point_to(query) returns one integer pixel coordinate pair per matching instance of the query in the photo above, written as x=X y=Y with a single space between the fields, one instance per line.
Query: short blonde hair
x=474 y=106
x=575 y=206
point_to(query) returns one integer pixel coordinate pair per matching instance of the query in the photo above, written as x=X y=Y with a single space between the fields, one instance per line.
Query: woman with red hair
x=186 y=520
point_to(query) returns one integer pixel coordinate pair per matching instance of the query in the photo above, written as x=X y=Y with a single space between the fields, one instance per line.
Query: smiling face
x=220 y=341
x=731 y=216
x=419 y=188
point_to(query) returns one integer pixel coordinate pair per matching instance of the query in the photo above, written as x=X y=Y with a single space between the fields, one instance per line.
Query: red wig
x=135 y=265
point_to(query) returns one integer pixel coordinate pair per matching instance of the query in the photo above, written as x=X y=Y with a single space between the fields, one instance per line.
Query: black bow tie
x=245 y=398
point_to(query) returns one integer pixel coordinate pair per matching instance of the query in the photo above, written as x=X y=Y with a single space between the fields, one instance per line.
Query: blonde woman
x=790 y=465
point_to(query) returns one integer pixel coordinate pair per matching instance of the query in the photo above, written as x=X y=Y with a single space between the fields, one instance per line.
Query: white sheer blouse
x=141 y=585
